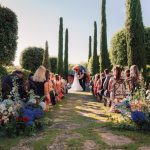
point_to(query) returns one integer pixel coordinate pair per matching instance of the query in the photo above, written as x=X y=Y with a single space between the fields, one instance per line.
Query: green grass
x=86 y=114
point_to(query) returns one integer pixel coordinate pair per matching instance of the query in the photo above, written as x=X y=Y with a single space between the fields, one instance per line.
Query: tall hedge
x=104 y=56
x=135 y=34
x=31 y=58
x=147 y=45
x=66 y=55
x=90 y=48
x=95 y=62
x=53 y=62
x=8 y=35
x=118 y=48
x=46 y=62
x=60 y=48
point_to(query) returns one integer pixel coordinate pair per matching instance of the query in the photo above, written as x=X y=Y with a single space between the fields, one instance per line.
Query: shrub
x=8 y=35
x=31 y=58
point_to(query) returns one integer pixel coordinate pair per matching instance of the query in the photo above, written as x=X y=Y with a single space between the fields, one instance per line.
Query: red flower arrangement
x=25 y=119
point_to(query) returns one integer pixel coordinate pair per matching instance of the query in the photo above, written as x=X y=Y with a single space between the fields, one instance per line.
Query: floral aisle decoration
x=19 y=116
x=135 y=109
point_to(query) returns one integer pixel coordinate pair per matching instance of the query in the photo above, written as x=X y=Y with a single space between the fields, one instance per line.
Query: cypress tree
x=46 y=62
x=66 y=55
x=90 y=48
x=135 y=35
x=95 y=62
x=60 y=48
x=104 y=56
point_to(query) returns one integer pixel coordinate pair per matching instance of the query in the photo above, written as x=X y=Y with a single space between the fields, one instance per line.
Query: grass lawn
x=77 y=123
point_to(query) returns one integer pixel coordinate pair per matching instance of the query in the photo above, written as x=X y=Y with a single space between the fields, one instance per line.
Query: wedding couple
x=79 y=82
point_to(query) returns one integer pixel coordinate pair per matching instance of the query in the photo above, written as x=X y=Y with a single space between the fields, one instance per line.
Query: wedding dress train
x=76 y=87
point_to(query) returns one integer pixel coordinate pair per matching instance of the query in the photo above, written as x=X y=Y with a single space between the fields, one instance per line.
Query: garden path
x=79 y=123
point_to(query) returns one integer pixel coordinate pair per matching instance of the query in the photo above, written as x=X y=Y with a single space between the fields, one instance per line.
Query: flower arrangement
x=20 y=115
x=136 y=108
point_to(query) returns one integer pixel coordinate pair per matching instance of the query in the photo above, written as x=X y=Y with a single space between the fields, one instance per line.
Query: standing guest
x=30 y=85
x=58 y=86
x=39 y=79
x=134 y=78
x=7 y=84
x=84 y=80
x=52 y=89
x=107 y=78
x=97 y=77
x=92 y=85
x=101 y=87
x=47 y=88
x=127 y=74
x=64 y=85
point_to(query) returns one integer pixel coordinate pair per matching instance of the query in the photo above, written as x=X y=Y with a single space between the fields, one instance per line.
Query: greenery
x=53 y=62
x=31 y=58
x=135 y=35
x=147 y=44
x=46 y=61
x=3 y=71
x=90 y=48
x=104 y=56
x=66 y=55
x=90 y=65
x=8 y=35
x=118 y=48
x=82 y=121
x=95 y=61
x=60 y=49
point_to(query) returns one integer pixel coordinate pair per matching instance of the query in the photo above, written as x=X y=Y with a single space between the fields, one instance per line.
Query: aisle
x=78 y=123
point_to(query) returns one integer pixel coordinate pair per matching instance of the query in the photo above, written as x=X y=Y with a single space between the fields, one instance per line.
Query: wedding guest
x=47 y=88
x=52 y=89
x=97 y=77
x=116 y=87
x=58 y=85
x=64 y=85
x=39 y=79
x=7 y=84
x=135 y=78
x=101 y=87
x=30 y=85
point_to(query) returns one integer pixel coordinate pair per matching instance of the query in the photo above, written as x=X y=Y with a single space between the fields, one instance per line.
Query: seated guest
x=7 y=84
x=39 y=79
x=116 y=87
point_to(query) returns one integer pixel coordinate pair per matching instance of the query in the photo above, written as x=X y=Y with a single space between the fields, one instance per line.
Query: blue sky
x=39 y=21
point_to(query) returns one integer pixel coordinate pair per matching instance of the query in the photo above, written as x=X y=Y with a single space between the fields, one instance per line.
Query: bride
x=76 y=87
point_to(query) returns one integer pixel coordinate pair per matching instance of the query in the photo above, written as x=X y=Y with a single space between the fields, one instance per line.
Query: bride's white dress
x=76 y=87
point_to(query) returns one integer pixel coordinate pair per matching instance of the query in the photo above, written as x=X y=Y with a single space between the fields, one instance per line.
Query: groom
x=82 y=79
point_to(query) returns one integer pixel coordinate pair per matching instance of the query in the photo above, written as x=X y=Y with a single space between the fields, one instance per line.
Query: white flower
x=43 y=105
x=2 y=108
x=10 y=109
